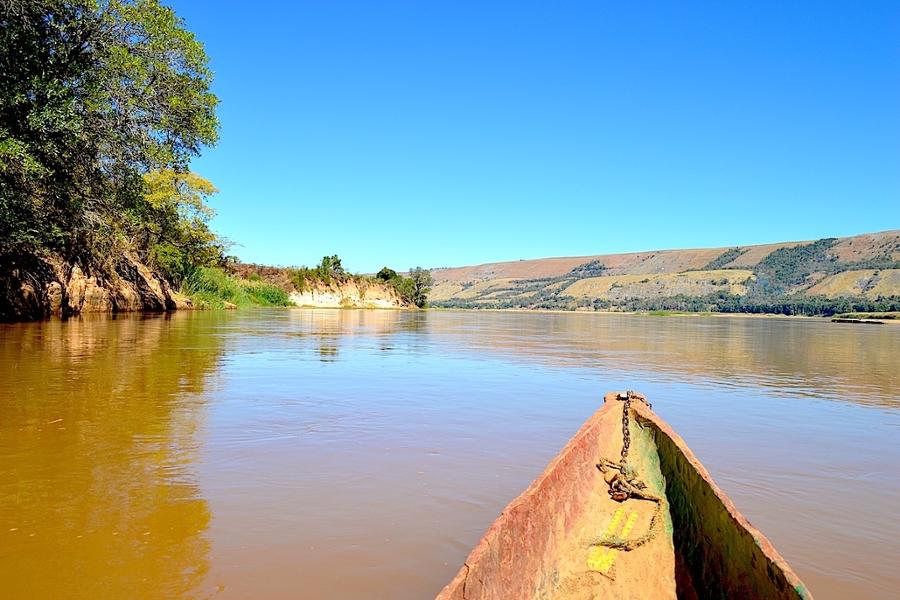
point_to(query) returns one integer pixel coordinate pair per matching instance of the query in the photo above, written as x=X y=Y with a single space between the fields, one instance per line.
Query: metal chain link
x=624 y=483
x=626 y=433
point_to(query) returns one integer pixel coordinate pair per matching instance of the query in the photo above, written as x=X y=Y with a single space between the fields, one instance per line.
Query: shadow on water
x=99 y=421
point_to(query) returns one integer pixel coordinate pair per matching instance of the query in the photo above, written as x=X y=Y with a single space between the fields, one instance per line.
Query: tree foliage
x=330 y=268
x=413 y=289
x=386 y=274
x=725 y=258
x=786 y=268
x=594 y=268
x=718 y=302
x=172 y=226
x=102 y=105
x=421 y=285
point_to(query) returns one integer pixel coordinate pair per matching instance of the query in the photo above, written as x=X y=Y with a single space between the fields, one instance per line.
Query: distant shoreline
x=659 y=314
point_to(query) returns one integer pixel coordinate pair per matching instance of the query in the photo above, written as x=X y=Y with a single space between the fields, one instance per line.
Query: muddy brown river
x=360 y=454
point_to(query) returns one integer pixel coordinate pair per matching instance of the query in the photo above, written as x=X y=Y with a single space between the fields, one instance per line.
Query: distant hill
x=824 y=276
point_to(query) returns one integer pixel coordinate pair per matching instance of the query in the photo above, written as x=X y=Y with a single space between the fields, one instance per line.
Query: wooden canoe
x=553 y=541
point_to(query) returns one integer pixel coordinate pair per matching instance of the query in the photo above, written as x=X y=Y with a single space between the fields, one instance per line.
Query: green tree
x=94 y=95
x=386 y=274
x=172 y=225
x=421 y=285
x=330 y=268
x=405 y=288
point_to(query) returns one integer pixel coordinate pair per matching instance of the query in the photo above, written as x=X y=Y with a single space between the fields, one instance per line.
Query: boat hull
x=540 y=547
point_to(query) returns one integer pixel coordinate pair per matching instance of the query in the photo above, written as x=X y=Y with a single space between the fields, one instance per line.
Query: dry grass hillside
x=858 y=271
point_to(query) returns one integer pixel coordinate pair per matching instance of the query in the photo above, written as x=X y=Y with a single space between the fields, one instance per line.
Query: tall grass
x=264 y=294
x=213 y=288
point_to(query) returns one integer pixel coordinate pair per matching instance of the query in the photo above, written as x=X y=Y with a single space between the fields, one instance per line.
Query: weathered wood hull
x=541 y=545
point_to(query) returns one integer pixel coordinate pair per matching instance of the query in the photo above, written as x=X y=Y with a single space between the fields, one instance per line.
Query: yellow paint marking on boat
x=629 y=525
x=614 y=524
x=601 y=559
x=597 y=556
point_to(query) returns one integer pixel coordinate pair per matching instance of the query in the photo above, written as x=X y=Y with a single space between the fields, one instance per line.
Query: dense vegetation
x=413 y=289
x=102 y=105
x=788 y=305
x=214 y=288
x=594 y=268
x=787 y=268
x=330 y=273
x=329 y=270
x=722 y=303
x=723 y=259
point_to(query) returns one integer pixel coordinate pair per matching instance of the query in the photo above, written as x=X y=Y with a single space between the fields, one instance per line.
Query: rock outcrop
x=349 y=294
x=34 y=287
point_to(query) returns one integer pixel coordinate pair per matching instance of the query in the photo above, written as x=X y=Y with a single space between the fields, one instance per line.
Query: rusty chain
x=624 y=483
x=622 y=479
x=626 y=433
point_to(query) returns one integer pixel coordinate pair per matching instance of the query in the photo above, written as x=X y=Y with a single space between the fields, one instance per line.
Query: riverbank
x=36 y=287
x=327 y=285
x=350 y=295
x=659 y=313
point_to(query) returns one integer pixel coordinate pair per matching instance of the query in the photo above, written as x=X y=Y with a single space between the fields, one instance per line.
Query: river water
x=360 y=454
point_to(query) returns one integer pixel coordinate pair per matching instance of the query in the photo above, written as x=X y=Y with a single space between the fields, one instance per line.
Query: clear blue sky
x=452 y=133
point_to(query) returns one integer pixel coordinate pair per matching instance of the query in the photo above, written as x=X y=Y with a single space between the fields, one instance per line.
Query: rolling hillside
x=813 y=277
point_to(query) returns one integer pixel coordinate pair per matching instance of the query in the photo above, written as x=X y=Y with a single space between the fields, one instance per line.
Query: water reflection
x=803 y=357
x=789 y=356
x=332 y=328
x=99 y=427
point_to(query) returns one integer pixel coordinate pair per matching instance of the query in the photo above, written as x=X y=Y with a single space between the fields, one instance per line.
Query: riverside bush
x=210 y=287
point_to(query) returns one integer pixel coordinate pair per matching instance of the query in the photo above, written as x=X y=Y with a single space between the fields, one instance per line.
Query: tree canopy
x=102 y=105
x=173 y=223
x=386 y=274
x=421 y=285
x=413 y=289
